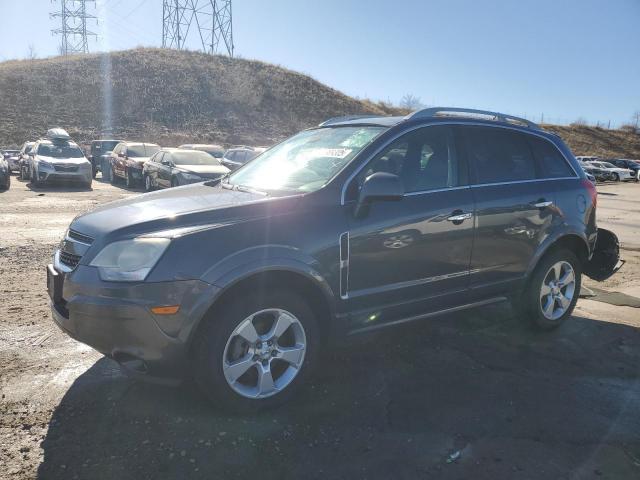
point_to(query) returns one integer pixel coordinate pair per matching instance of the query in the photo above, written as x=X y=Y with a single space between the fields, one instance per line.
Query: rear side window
x=499 y=155
x=551 y=161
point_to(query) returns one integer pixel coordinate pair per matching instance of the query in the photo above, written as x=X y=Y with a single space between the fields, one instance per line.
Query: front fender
x=245 y=263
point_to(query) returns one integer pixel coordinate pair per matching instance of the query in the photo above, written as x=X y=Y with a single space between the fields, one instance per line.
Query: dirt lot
x=513 y=403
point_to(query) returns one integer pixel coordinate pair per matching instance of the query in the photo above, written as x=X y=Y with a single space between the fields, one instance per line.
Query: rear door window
x=499 y=155
x=551 y=161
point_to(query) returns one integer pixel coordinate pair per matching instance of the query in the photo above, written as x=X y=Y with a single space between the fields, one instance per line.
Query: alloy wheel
x=557 y=290
x=264 y=353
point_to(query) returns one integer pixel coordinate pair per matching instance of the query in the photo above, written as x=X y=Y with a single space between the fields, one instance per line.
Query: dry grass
x=172 y=97
x=166 y=96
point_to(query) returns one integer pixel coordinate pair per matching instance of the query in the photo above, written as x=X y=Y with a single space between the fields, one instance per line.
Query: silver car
x=58 y=159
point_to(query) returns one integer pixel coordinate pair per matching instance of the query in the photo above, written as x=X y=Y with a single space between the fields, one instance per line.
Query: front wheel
x=616 y=177
x=257 y=350
x=128 y=179
x=148 y=185
x=552 y=291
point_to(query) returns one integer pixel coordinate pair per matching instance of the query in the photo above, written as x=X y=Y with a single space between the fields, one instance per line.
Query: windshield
x=193 y=158
x=145 y=150
x=306 y=161
x=59 y=151
x=608 y=165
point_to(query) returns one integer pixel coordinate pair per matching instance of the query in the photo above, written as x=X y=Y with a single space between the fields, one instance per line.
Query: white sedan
x=619 y=174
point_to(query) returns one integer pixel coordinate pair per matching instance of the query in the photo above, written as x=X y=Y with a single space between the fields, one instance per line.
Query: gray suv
x=358 y=224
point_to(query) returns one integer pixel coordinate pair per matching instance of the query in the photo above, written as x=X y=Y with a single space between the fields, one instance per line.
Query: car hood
x=196 y=204
x=204 y=170
x=75 y=161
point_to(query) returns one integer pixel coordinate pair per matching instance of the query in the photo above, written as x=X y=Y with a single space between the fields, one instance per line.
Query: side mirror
x=379 y=187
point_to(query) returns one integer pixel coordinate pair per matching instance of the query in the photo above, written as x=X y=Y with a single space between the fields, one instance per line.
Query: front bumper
x=115 y=319
x=48 y=175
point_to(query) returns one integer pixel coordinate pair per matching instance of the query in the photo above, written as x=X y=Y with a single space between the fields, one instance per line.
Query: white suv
x=58 y=158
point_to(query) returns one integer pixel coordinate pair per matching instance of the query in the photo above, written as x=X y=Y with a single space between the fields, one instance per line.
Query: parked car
x=240 y=283
x=57 y=158
x=5 y=174
x=24 y=166
x=12 y=158
x=591 y=178
x=216 y=151
x=127 y=160
x=632 y=165
x=172 y=167
x=588 y=158
x=236 y=157
x=99 y=153
x=598 y=173
x=617 y=174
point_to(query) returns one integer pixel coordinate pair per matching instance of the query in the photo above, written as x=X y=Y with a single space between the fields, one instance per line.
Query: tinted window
x=550 y=159
x=230 y=156
x=424 y=160
x=499 y=155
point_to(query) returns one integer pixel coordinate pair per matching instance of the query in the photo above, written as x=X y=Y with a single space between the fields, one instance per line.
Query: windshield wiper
x=244 y=188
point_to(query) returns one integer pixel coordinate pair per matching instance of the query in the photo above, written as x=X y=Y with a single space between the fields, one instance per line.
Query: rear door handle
x=459 y=217
x=542 y=204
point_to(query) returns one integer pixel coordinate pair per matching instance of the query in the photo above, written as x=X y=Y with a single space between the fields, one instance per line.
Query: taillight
x=591 y=188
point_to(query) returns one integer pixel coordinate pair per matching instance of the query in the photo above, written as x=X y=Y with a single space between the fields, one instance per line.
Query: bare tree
x=31 y=52
x=411 y=102
x=636 y=119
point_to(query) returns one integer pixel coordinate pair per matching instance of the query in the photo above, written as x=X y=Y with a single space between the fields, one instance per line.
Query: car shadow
x=59 y=187
x=469 y=395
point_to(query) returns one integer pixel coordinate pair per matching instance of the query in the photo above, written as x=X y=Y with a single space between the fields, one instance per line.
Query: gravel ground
x=472 y=395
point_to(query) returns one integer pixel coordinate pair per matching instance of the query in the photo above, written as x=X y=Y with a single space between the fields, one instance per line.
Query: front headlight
x=129 y=260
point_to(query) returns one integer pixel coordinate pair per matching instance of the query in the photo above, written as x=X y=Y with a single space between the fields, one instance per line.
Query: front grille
x=65 y=168
x=69 y=259
x=80 y=237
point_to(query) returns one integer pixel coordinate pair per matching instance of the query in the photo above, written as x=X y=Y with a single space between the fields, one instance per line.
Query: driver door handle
x=459 y=217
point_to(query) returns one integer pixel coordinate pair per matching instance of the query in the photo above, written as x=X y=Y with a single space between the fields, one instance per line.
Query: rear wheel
x=552 y=291
x=616 y=177
x=257 y=350
x=148 y=185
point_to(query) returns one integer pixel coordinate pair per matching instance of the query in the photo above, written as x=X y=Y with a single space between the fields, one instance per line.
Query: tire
x=113 y=178
x=218 y=341
x=34 y=178
x=88 y=184
x=174 y=182
x=616 y=177
x=531 y=304
x=7 y=182
x=128 y=179
x=148 y=184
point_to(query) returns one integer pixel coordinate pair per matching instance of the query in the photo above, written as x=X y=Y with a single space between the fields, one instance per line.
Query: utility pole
x=209 y=22
x=73 y=29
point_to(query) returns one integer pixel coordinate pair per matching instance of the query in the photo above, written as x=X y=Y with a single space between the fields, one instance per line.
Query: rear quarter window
x=499 y=155
x=552 y=163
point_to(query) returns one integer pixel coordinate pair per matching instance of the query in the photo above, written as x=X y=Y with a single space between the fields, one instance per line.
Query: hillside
x=166 y=96
x=171 y=97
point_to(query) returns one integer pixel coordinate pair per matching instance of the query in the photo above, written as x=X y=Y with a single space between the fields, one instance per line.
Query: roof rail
x=346 y=118
x=468 y=112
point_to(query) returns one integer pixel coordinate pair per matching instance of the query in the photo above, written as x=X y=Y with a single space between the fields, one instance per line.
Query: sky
x=556 y=60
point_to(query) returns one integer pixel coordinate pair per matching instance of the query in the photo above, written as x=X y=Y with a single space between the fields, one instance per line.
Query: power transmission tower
x=209 y=21
x=74 y=16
